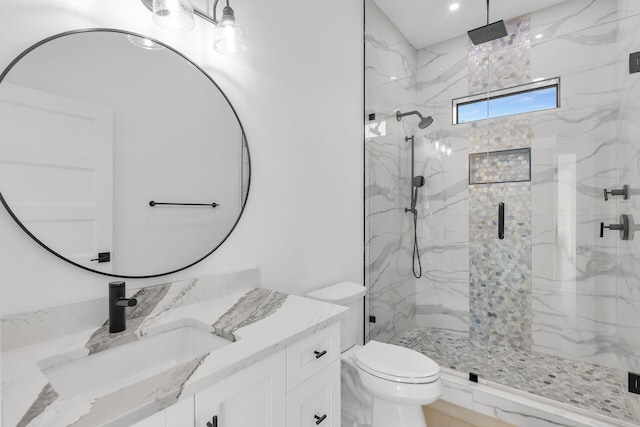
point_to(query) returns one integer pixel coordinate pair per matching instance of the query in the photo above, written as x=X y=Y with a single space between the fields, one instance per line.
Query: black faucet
x=117 y=304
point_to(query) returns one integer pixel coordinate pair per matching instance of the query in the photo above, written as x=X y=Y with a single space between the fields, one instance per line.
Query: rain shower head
x=488 y=32
x=425 y=122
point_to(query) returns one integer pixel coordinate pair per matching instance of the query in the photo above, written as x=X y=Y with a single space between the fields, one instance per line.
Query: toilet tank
x=350 y=295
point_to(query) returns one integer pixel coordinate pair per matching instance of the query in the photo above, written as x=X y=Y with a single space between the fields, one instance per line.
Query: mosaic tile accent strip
x=501 y=133
x=504 y=62
x=500 y=166
x=500 y=270
x=586 y=386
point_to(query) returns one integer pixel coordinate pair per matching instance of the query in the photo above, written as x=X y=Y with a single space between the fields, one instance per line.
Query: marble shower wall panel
x=388 y=53
x=574 y=289
x=628 y=153
x=390 y=65
x=574 y=158
x=391 y=290
x=442 y=294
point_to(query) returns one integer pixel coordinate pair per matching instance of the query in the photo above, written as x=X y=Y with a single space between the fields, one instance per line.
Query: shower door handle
x=501 y=220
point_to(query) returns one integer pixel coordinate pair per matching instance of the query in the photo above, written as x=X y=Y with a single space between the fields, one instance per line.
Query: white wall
x=298 y=92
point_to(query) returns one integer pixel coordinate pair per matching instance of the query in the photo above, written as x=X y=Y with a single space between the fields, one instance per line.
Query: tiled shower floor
x=591 y=387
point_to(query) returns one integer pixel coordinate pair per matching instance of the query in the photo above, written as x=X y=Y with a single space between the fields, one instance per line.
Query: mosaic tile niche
x=500 y=166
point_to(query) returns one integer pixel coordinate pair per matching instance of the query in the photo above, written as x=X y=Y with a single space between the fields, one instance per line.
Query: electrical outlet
x=372 y=319
x=634 y=383
x=473 y=377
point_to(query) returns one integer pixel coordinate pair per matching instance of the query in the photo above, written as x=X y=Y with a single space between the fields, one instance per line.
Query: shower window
x=541 y=95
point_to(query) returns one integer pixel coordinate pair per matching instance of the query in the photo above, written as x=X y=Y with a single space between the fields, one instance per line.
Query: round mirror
x=118 y=154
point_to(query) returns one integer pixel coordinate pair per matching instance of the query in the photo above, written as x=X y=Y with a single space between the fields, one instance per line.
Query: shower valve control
x=625 y=192
x=626 y=227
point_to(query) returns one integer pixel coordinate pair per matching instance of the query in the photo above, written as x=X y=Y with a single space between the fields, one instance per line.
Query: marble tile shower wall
x=574 y=158
x=442 y=294
x=391 y=285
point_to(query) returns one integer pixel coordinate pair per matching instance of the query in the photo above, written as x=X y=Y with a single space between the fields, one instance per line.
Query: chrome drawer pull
x=319 y=354
x=319 y=419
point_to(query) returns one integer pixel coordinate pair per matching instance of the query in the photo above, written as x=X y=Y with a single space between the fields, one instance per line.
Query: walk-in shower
x=551 y=309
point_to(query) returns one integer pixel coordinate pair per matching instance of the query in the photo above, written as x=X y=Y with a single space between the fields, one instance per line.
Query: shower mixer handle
x=626 y=227
x=624 y=192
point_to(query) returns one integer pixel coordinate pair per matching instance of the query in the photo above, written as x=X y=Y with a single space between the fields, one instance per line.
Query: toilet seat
x=395 y=363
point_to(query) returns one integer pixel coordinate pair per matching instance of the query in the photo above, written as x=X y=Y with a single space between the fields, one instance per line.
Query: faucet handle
x=126 y=302
x=117 y=303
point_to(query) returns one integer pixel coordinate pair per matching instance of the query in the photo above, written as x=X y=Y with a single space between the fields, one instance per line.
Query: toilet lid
x=396 y=363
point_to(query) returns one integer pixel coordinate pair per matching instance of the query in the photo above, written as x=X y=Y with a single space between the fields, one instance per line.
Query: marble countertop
x=259 y=321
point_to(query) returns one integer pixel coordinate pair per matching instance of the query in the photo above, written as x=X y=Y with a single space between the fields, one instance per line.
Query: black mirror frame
x=244 y=139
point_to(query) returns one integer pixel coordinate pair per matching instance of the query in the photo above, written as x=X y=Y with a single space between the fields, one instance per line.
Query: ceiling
x=426 y=22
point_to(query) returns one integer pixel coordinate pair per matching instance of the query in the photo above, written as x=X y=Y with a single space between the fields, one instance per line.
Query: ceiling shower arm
x=487 y=12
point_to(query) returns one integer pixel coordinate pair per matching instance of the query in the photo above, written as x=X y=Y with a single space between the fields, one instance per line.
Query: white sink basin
x=112 y=369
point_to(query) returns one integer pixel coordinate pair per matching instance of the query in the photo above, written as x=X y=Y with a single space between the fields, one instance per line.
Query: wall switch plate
x=634 y=62
x=634 y=383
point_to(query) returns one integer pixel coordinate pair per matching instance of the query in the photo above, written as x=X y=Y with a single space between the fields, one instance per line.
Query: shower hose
x=416 y=253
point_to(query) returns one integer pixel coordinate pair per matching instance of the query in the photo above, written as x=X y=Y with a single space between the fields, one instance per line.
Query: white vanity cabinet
x=295 y=387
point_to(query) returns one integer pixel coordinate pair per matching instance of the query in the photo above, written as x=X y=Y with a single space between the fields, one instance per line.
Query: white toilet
x=399 y=379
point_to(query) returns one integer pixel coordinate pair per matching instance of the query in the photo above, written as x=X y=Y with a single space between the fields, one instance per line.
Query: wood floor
x=445 y=414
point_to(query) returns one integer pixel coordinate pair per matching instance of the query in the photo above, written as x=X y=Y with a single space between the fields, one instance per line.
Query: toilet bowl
x=399 y=380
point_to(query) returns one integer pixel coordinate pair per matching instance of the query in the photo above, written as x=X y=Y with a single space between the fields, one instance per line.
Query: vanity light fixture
x=230 y=38
x=173 y=14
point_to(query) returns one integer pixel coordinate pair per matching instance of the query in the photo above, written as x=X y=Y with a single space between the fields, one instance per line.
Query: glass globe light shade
x=144 y=43
x=174 y=14
x=230 y=38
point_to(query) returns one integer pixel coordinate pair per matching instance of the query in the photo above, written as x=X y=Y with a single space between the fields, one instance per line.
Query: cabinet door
x=252 y=397
x=316 y=402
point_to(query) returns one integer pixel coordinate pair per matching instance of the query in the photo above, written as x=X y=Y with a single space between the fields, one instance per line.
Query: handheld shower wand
x=416 y=183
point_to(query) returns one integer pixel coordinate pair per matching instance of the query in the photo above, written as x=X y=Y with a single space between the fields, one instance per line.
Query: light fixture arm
x=149 y=5
x=215 y=9
x=226 y=11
